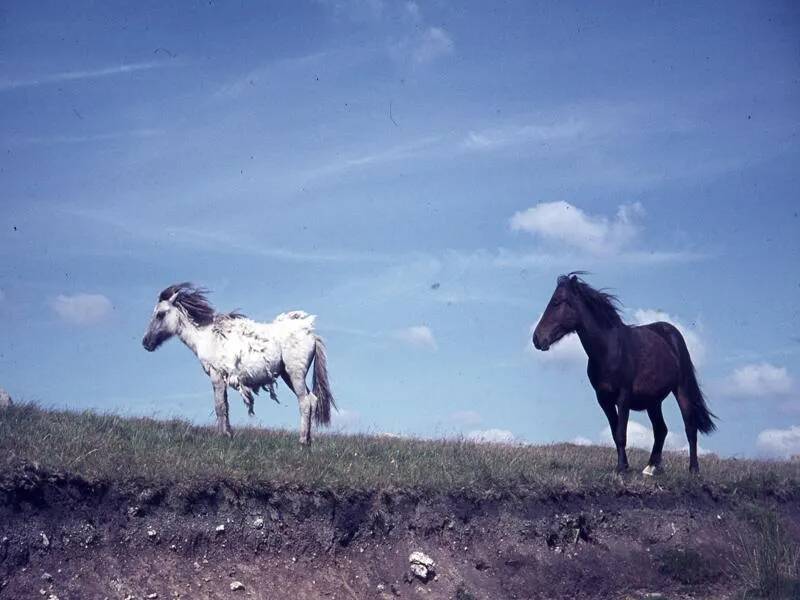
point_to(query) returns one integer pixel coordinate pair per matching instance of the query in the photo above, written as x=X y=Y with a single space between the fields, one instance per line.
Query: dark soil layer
x=63 y=535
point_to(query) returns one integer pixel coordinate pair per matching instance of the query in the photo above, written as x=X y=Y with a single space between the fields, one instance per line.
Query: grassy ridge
x=109 y=447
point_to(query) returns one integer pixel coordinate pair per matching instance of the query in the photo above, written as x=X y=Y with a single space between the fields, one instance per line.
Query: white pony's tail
x=320 y=384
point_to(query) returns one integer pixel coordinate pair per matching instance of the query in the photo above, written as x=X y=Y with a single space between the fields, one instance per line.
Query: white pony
x=246 y=355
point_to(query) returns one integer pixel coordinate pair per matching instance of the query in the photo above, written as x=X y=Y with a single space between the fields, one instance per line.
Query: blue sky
x=417 y=174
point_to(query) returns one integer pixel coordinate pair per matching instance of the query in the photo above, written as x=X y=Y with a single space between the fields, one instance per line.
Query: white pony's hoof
x=651 y=471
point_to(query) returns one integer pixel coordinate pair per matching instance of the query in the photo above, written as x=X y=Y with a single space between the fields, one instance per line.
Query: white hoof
x=651 y=471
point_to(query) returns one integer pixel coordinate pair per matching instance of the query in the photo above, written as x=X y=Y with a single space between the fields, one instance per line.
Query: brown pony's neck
x=592 y=333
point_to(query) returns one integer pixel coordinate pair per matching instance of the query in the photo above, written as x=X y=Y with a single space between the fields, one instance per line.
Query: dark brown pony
x=630 y=368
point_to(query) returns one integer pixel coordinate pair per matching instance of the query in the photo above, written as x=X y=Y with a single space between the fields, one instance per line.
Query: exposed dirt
x=63 y=536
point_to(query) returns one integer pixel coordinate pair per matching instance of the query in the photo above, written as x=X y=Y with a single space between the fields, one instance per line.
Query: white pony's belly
x=253 y=365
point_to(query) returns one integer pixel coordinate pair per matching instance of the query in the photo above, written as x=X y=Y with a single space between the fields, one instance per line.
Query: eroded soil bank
x=63 y=536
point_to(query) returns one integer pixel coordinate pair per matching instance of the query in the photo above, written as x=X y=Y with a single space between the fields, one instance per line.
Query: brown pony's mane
x=605 y=307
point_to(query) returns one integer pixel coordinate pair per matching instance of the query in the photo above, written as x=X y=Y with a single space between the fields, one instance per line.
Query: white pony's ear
x=174 y=297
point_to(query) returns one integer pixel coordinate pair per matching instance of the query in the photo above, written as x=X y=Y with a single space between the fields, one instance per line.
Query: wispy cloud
x=81 y=139
x=222 y=241
x=399 y=152
x=419 y=336
x=431 y=44
x=274 y=72
x=493 y=138
x=467 y=418
x=355 y=10
x=85 y=74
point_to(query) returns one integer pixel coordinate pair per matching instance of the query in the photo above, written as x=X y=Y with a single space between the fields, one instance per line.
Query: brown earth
x=65 y=537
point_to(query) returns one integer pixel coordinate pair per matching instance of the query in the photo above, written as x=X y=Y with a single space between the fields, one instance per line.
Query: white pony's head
x=177 y=305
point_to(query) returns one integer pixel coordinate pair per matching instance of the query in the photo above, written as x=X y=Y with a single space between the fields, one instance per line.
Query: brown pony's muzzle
x=539 y=343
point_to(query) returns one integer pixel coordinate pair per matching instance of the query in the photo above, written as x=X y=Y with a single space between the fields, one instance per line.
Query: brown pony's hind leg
x=685 y=404
x=659 y=435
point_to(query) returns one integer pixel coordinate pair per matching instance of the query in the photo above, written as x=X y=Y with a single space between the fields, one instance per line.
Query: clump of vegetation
x=462 y=593
x=767 y=560
x=687 y=566
x=114 y=448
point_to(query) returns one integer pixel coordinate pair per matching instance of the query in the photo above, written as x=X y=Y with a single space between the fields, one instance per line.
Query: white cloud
x=569 y=352
x=759 y=380
x=433 y=43
x=641 y=436
x=345 y=419
x=491 y=436
x=581 y=441
x=782 y=443
x=82 y=309
x=418 y=335
x=564 y=223
x=697 y=348
x=566 y=352
x=466 y=418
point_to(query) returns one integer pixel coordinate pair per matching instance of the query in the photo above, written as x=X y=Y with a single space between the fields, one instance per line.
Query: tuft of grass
x=768 y=559
x=107 y=447
x=686 y=565
x=462 y=593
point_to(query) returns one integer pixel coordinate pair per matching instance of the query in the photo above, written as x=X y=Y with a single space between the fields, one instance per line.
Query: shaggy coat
x=246 y=355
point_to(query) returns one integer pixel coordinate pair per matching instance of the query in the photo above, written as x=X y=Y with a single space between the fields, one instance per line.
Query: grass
x=105 y=447
x=768 y=559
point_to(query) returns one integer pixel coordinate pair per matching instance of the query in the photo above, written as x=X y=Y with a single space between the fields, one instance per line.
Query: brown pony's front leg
x=623 y=410
x=607 y=403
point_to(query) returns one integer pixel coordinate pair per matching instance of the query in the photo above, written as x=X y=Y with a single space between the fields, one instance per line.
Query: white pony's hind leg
x=297 y=356
x=307 y=402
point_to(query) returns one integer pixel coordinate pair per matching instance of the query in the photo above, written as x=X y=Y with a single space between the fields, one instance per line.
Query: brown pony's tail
x=321 y=386
x=703 y=417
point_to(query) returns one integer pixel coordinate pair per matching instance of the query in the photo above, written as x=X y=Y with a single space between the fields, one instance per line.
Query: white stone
x=422 y=565
x=237 y=586
x=5 y=399
x=258 y=523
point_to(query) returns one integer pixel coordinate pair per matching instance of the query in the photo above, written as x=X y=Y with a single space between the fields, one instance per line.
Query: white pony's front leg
x=221 y=403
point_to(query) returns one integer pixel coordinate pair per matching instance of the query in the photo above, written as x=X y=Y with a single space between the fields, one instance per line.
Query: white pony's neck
x=192 y=335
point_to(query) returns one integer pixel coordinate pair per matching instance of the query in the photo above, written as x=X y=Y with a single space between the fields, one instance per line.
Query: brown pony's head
x=572 y=299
